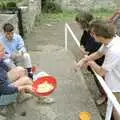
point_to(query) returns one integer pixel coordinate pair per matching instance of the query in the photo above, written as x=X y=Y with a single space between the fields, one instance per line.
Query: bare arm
x=91 y=57
x=98 y=69
x=94 y=56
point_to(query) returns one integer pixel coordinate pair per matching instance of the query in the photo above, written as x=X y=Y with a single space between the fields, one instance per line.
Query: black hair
x=7 y=27
x=83 y=18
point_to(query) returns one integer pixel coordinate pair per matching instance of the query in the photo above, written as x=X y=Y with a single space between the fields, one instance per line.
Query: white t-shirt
x=112 y=63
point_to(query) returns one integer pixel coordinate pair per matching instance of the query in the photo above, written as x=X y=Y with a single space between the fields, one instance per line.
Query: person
x=104 y=32
x=16 y=53
x=88 y=45
x=115 y=19
x=14 y=81
x=10 y=88
x=87 y=42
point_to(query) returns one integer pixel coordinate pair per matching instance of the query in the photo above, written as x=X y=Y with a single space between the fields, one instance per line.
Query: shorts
x=7 y=99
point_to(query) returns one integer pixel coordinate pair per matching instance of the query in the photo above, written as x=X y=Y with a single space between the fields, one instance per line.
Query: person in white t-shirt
x=104 y=32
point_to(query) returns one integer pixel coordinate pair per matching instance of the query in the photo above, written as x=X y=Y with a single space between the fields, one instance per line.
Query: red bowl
x=50 y=79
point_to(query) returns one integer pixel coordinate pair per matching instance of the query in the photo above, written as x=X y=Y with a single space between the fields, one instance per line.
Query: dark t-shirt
x=4 y=83
x=91 y=45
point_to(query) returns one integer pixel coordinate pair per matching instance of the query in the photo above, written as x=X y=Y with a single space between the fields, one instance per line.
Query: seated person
x=13 y=81
x=20 y=82
x=15 y=50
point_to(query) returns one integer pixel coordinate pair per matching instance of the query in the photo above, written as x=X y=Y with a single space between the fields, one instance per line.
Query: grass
x=56 y=17
x=102 y=13
x=70 y=15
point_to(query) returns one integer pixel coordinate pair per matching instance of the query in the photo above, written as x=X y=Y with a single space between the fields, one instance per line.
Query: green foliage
x=55 y=17
x=11 y=5
x=50 y=6
x=8 y=3
x=66 y=16
x=102 y=12
x=2 y=5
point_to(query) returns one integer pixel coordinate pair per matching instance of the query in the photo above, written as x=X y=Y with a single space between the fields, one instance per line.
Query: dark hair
x=7 y=27
x=84 y=18
x=103 y=28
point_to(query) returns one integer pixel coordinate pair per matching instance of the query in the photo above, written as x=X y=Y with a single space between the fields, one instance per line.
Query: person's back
x=112 y=56
x=89 y=42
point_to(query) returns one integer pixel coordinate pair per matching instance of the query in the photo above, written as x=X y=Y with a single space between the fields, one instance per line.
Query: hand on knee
x=21 y=71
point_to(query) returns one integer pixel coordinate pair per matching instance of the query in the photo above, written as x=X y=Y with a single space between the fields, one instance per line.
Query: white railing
x=112 y=101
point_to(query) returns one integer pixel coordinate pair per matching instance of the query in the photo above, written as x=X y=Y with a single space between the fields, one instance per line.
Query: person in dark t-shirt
x=87 y=42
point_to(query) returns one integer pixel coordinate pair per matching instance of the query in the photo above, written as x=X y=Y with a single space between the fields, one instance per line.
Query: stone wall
x=30 y=10
x=12 y=18
x=86 y=4
x=29 y=14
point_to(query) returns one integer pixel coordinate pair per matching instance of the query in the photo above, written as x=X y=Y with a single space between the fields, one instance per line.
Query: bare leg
x=22 y=81
x=16 y=73
x=27 y=88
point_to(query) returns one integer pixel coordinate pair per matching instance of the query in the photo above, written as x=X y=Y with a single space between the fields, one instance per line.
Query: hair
x=103 y=28
x=83 y=18
x=7 y=27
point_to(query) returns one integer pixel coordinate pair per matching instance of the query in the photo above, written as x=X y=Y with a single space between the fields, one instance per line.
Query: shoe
x=45 y=100
x=30 y=75
x=101 y=100
x=3 y=111
x=24 y=97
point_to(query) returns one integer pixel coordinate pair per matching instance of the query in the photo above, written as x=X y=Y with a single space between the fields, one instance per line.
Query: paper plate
x=41 y=80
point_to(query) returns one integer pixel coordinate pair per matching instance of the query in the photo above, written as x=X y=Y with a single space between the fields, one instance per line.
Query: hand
x=25 y=88
x=15 y=55
x=78 y=65
x=75 y=68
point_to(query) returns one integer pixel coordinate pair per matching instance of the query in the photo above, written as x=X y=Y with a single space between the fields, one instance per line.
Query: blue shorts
x=7 y=99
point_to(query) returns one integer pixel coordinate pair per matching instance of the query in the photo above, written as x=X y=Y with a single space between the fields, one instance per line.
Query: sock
x=30 y=74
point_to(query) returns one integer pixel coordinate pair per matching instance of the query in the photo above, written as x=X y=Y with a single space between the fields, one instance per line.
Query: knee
x=20 y=70
x=26 y=56
x=27 y=80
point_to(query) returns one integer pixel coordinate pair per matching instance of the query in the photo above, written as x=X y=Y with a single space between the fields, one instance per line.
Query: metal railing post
x=66 y=35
